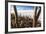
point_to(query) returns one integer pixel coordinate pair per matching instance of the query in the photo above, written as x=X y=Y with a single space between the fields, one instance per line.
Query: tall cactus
x=36 y=16
x=16 y=16
x=34 y=19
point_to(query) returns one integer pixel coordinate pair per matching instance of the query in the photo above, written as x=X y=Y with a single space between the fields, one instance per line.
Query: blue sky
x=24 y=7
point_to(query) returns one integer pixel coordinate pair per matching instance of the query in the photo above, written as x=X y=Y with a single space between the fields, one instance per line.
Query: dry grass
x=23 y=22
